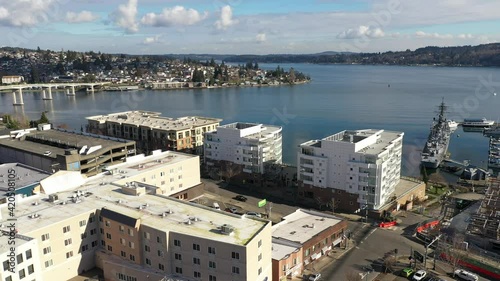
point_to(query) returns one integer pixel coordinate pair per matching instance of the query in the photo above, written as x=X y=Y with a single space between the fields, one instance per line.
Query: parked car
x=406 y=272
x=419 y=275
x=240 y=198
x=231 y=210
x=466 y=275
x=254 y=214
x=314 y=277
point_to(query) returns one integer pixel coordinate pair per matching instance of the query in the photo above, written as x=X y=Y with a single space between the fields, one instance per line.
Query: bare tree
x=352 y=276
x=456 y=251
x=389 y=263
x=320 y=202
x=331 y=204
x=229 y=170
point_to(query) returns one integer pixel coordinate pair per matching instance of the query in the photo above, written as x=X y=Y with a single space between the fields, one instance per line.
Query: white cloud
x=26 y=13
x=465 y=36
x=362 y=31
x=226 y=18
x=151 y=40
x=421 y=34
x=125 y=16
x=83 y=16
x=261 y=37
x=177 y=15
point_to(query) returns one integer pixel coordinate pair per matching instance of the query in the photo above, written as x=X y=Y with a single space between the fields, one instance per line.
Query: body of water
x=340 y=97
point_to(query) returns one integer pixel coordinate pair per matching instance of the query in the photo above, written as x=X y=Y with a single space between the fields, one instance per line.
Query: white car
x=314 y=277
x=465 y=275
x=253 y=214
x=419 y=275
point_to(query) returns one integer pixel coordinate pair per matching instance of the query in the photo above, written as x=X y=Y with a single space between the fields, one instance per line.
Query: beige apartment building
x=123 y=222
x=151 y=131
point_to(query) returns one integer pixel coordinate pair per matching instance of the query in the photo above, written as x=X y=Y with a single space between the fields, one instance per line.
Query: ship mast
x=442 y=108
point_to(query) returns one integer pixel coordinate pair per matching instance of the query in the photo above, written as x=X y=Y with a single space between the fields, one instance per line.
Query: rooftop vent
x=189 y=222
x=194 y=219
x=292 y=233
x=35 y=203
x=34 y=216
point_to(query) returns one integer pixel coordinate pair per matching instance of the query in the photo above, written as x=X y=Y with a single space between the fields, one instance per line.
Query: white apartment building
x=250 y=145
x=364 y=164
x=13 y=79
x=123 y=222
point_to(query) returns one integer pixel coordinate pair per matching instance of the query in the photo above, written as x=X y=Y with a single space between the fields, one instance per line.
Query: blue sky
x=246 y=27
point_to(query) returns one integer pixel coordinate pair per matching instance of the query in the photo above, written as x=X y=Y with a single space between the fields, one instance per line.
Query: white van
x=465 y=275
x=216 y=206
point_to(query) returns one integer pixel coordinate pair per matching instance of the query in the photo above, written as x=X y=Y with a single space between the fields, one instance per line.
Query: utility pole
x=427 y=247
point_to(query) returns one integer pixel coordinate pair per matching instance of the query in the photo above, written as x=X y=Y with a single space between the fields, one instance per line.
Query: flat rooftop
x=378 y=146
x=57 y=141
x=281 y=250
x=154 y=120
x=266 y=130
x=302 y=225
x=138 y=164
x=25 y=175
x=156 y=211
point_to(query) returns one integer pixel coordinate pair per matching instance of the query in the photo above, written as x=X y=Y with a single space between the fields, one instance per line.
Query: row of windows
x=22 y=273
x=210 y=250
x=19 y=258
x=124 y=277
x=67 y=228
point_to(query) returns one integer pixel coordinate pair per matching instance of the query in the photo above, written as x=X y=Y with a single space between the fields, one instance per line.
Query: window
x=46 y=236
x=211 y=250
x=180 y=177
x=83 y=223
x=212 y=264
x=110 y=248
x=91 y=219
x=178 y=270
x=47 y=250
x=235 y=255
x=28 y=254
x=123 y=254
x=131 y=245
x=147 y=248
x=108 y=235
x=85 y=247
x=158 y=239
x=160 y=253
x=132 y=257
x=6 y=265
x=212 y=278
x=295 y=261
x=122 y=241
x=66 y=229
x=178 y=256
x=260 y=243
x=122 y=229
x=196 y=261
x=130 y=232
x=260 y=270
x=94 y=243
x=148 y=261
x=147 y=235
x=20 y=258
x=22 y=274
x=196 y=247
x=69 y=254
x=197 y=274
x=49 y=263
x=8 y=278
x=177 y=242
x=308 y=251
x=161 y=266
x=236 y=270
x=67 y=242
x=260 y=256
x=102 y=230
x=31 y=269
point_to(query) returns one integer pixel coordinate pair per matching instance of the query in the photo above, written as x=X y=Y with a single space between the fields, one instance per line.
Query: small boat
x=452 y=124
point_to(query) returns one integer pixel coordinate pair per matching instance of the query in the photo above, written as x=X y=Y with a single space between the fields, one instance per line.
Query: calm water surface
x=340 y=97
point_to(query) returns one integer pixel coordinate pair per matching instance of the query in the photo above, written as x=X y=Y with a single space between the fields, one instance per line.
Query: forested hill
x=481 y=55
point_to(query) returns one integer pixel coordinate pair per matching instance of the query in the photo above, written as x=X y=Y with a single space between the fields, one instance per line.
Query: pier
x=17 y=90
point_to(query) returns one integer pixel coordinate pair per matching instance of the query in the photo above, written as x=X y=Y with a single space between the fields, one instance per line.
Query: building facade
x=13 y=79
x=152 y=132
x=52 y=150
x=248 y=145
x=301 y=239
x=122 y=222
x=351 y=170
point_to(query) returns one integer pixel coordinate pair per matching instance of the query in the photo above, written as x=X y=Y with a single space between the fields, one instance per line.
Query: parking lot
x=226 y=198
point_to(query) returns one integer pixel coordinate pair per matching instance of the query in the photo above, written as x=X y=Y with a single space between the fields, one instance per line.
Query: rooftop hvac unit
x=53 y=197
x=35 y=203
x=226 y=229
x=189 y=222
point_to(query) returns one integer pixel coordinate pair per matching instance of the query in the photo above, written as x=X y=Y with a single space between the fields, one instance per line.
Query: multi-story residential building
x=352 y=169
x=19 y=257
x=154 y=132
x=52 y=150
x=120 y=222
x=301 y=239
x=13 y=79
x=249 y=145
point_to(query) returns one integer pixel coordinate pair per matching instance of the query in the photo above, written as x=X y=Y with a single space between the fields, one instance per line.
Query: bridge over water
x=17 y=90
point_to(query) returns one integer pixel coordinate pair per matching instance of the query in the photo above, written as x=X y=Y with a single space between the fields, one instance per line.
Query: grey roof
x=25 y=175
x=112 y=215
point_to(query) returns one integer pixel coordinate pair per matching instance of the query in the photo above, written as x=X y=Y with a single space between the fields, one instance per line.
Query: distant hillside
x=482 y=55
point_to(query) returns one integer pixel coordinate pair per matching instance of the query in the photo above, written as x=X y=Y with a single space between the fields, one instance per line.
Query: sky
x=246 y=26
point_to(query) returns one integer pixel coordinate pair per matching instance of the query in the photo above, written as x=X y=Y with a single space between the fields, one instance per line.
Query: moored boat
x=481 y=123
